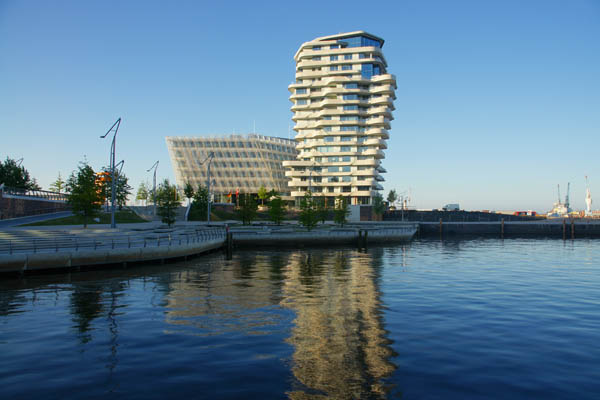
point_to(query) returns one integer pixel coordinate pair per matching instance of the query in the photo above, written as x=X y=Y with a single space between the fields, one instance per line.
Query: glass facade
x=262 y=162
x=360 y=41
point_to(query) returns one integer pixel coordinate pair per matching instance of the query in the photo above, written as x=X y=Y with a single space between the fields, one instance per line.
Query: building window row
x=223 y=144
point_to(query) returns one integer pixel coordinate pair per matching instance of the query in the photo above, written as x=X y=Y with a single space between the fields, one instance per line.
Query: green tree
x=392 y=197
x=167 y=201
x=84 y=195
x=58 y=185
x=378 y=205
x=247 y=209
x=199 y=206
x=122 y=188
x=263 y=194
x=322 y=210
x=340 y=214
x=276 y=210
x=143 y=193
x=188 y=190
x=13 y=175
x=308 y=213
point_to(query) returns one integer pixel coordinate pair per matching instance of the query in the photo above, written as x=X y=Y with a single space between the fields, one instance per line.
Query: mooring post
x=229 y=245
x=572 y=229
x=564 y=229
x=359 y=239
x=502 y=229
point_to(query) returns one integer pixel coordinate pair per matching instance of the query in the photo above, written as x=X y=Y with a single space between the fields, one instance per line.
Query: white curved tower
x=343 y=103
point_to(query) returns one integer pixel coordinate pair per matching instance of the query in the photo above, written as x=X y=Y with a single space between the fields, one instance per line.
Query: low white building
x=241 y=163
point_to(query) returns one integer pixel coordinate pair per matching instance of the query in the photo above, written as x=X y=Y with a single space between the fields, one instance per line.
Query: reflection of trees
x=340 y=349
x=86 y=305
x=11 y=301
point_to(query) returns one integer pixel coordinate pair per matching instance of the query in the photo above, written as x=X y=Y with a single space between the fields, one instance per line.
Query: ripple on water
x=454 y=319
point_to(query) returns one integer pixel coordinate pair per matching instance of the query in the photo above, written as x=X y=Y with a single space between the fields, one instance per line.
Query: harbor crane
x=588 y=198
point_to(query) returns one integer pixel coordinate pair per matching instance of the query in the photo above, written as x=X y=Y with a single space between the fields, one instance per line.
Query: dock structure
x=295 y=236
x=558 y=228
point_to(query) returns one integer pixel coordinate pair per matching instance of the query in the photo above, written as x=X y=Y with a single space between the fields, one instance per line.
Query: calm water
x=516 y=319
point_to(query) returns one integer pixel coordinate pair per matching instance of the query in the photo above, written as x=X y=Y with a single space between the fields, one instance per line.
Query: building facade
x=241 y=163
x=342 y=103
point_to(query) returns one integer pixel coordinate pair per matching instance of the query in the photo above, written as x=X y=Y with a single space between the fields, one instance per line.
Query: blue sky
x=497 y=102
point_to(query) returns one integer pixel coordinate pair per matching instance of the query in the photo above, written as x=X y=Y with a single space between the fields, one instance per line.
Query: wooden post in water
x=229 y=245
x=502 y=229
x=359 y=239
x=572 y=229
x=564 y=229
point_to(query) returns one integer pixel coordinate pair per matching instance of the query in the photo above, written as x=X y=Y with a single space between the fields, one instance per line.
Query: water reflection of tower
x=340 y=348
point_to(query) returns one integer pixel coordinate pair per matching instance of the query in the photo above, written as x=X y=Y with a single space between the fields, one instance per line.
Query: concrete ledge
x=68 y=259
x=268 y=237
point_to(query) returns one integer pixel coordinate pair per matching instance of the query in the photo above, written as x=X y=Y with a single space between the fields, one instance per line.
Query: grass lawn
x=121 y=217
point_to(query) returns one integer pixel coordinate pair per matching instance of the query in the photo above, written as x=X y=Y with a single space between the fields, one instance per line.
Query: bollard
x=229 y=246
x=359 y=239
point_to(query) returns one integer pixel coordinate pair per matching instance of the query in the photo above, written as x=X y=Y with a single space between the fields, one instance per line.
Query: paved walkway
x=6 y=223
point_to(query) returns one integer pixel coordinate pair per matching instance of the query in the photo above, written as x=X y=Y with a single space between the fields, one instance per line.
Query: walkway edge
x=69 y=259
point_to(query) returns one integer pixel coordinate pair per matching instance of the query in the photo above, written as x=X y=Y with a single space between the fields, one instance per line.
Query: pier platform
x=555 y=228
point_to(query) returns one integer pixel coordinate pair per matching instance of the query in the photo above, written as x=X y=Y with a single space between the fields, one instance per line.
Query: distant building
x=343 y=102
x=241 y=163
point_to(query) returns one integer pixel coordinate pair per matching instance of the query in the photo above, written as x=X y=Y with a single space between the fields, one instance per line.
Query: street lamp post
x=155 y=166
x=208 y=181
x=115 y=127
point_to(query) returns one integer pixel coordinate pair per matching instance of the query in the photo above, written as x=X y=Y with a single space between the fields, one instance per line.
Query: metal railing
x=8 y=191
x=57 y=243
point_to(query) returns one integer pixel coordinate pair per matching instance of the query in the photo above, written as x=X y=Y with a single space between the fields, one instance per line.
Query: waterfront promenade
x=27 y=249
